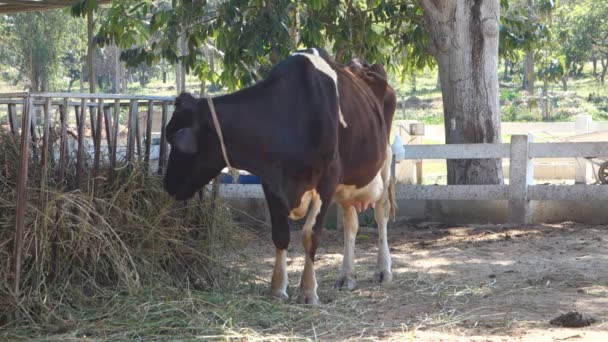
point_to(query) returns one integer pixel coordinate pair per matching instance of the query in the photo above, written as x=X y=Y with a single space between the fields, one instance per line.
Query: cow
x=315 y=132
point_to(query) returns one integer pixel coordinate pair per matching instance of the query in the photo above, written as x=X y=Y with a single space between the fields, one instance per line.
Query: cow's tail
x=392 y=198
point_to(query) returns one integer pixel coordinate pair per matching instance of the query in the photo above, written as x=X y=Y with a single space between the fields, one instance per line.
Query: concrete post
x=582 y=172
x=521 y=174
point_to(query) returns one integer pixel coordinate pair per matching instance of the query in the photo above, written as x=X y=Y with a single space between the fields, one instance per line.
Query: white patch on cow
x=322 y=65
x=376 y=191
x=279 y=282
x=308 y=283
x=300 y=211
x=345 y=194
x=315 y=51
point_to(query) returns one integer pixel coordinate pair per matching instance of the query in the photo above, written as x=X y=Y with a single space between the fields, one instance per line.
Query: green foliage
x=252 y=35
x=41 y=45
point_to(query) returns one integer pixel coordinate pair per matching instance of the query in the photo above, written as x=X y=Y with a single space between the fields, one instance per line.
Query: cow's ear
x=185 y=141
x=376 y=83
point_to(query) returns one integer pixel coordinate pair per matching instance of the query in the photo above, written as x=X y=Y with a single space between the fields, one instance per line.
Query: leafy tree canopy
x=249 y=36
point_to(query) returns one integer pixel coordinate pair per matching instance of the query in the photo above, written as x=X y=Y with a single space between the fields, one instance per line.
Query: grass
x=86 y=248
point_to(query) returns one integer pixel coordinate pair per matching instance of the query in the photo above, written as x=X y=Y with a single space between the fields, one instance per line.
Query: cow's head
x=373 y=75
x=195 y=157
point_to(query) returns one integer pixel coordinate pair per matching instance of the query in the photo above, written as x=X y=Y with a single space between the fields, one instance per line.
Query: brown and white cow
x=314 y=132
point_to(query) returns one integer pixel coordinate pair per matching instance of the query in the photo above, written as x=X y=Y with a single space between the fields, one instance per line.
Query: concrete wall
x=254 y=210
x=496 y=211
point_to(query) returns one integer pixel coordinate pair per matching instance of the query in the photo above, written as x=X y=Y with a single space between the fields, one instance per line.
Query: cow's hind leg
x=381 y=213
x=308 y=283
x=311 y=235
x=348 y=278
x=280 y=237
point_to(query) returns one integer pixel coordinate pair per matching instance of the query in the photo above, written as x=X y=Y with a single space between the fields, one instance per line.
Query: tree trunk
x=294 y=30
x=438 y=85
x=413 y=74
x=90 y=48
x=505 y=76
x=604 y=69
x=82 y=73
x=70 y=85
x=565 y=82
x=529 y=77
x=116 y=79
x=594 y=61
x=464 y=39
x=125 y=79
x=545 y=99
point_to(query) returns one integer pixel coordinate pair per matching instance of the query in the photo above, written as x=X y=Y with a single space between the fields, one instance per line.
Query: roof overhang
x=15 y=6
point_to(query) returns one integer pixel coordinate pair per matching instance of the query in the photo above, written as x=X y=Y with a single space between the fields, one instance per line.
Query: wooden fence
x=37 y=139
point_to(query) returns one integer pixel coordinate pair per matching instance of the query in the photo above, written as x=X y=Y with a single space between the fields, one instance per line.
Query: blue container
x=243 y=179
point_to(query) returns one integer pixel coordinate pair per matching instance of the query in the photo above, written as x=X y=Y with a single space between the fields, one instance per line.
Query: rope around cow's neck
x=218 y=130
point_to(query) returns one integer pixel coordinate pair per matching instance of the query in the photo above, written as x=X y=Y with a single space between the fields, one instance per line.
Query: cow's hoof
x=279 y=295
x=310 y=299
x=346 y=283
x=383 y=276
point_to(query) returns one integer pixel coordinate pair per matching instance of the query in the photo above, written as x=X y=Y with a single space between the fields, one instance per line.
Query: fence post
x=582 y=171
x=521 y=174
x=21 y=191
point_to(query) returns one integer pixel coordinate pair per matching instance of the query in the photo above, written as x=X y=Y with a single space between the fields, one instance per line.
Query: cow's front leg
x=280 y=238
x=279 y=282
x=347 y=278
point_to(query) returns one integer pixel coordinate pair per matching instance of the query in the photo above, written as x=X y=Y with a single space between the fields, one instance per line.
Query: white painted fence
x=520 y=190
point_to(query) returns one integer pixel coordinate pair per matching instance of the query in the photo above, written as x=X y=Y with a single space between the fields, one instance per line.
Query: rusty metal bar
x=131 y=137
x=46 y=131
x=97 y=142
x=12 y=118
x=93 y=120
x=115 y=136
x=77 y=115
x=107 y=118
x=34 y=132
x=138 y=135
x=63 y=144
x=163 y=139
x=80 y=156
x=21 y=194
x=148 y=134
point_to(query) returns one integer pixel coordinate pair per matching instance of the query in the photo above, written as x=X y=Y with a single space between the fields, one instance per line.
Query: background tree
x=36 y=43
x=590 y=20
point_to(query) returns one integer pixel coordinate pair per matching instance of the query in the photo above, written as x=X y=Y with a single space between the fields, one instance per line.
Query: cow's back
x=363 y=142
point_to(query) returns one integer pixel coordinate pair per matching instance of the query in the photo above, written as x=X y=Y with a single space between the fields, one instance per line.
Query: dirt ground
x=452 y=283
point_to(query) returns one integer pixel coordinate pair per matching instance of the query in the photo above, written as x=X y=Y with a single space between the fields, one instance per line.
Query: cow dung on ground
x=572 y=319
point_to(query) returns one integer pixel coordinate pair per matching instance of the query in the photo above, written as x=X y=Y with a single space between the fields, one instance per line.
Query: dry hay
x=83 y=248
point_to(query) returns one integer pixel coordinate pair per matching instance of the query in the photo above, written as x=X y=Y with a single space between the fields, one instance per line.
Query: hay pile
x=82 y=248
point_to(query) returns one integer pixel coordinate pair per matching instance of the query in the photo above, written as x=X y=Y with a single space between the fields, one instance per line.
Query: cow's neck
x=247 y=133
